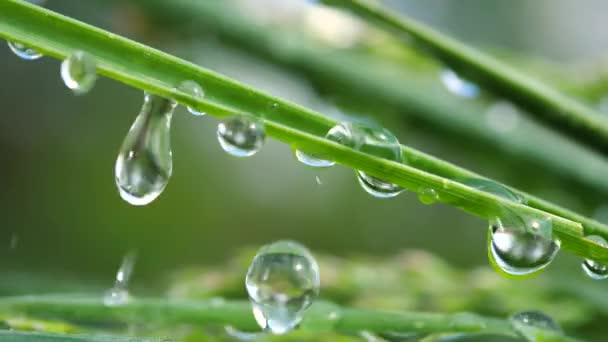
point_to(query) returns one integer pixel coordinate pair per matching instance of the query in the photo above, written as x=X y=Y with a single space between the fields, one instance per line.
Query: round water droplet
x=529 y=323
x=311 y=160
x=282 y=282
x=24 y=52
x=144 y=164
x=241 y=136
x=592 y=268
x=195 y=90
x=502 y=117
x=116 y=296
x=521 y=250
x=457 y=85
x=79 y=72
x=428 y=196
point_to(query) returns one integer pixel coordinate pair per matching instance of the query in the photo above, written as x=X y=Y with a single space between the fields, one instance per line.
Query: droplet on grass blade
x=24 y=52
x=79 y=72
x=241 y=136
x=195 y=90
x=592 y=268
x=531 y=324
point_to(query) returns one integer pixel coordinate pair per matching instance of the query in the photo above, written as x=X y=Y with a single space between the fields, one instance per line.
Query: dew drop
x=282 y=282
x=502 y=117
x=79 y=72
x=457 y=85
x=530 y=324
x=241 y=136
x=195 y=90
x=311 y=160
x=119 y=293
x=144 y=164
x=24 y=52
x=428 y=196
x=592 y=268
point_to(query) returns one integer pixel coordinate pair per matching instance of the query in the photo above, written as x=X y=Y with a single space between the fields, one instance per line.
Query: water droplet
x=318 y=180
x=282 y=282
x=119 y=293
x=502 y=117
x=428 y=196
x=24 y=52
x=313 y=161
x=241 y=136
x=457 y=85
x=144 y=164
x=530 y=323
x=195 y=90
x=592 y=268
x=79 y=72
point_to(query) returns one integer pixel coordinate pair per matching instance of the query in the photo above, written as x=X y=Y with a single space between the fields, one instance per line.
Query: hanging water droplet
x=592 y=268
x=282 y=282
x=24 y=52
x=144 y=164
x=313 y=161
x=195 y=90
x=457 y=85
x=428 y=196
x=530 y=323
x=79 y=72
x=119 y=293
x=241 y=136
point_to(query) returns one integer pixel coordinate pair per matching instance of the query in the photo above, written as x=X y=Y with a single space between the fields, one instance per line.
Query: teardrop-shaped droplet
x=24 y=52
x=282 y=282
x=79 y=72
x=144 y=164
x=533 y=325
x=241 y=136
x=428 y=196
x=592 y=268
x=119 y=293
x=195 y=90
x=457 y=85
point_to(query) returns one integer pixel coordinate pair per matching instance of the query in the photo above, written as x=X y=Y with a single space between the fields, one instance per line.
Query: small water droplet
x=24 y=52
x=79 y=72
x=241 y=136
x=529 y=323
x=311 y=160
x=457 y=85
x=282 y=282
x=318 y=180
x=144 y=164
x=592 y=268
x=195 y=90
x=502 y=117
x=119 y=293
x=428 y=196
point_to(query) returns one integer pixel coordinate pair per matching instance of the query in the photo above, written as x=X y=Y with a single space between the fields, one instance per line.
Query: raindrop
x=282 y=282
x=144 y=164
x=24 y=52
x=531 y=324
x=79 y=72
x=241 y=136
x=193 y=89
x=594 y=269
x=428 y=196
x=119 y=293
x=457 y=85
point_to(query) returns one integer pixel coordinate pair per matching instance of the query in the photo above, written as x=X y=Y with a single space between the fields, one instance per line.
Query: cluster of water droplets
x=282 y=282
x=119 y=293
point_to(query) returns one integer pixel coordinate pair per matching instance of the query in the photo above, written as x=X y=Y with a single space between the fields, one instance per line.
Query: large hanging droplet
x=144 y=164
x=195 y=90
x=531 y=324
x=592 y=268
x=119 y=293
x=79 y=72
x=24 y=52
x=282 y=282
x=241 y=136
x=457 y=85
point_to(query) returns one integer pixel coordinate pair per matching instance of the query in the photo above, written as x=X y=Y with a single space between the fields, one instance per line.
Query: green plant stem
x=544 y=103
x=154 y=71
x=23 y=336
x=238 y=314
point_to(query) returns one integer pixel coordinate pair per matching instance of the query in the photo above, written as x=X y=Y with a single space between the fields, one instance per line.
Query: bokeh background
x=61 y=212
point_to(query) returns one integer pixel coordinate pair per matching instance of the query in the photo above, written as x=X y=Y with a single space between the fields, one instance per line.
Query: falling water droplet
x=24 y=52
x=428 y=196
x=529 y=324
x=318 y=180
x=79 y=72
x=144 y=164
x=457 y=85
x=119 y=293
x=592 y=268
x=241 y=136
x=195 y=90
x=282 y=282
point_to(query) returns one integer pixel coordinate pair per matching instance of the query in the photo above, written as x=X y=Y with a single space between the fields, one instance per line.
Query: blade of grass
x=152 y=70
x=23 y=336
x=547 y=105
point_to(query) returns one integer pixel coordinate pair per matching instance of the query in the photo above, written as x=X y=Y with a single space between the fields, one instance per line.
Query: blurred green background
x=61 y=212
